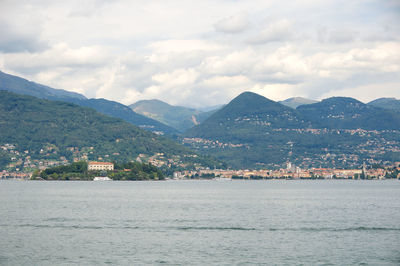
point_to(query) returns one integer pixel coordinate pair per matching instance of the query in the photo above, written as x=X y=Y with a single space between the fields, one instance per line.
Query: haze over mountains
x=178 y=117
x=294 y=102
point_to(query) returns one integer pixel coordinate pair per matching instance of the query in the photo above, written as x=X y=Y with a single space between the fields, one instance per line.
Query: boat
x=101 y=178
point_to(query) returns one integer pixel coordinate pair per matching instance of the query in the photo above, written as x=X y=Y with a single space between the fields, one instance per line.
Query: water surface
x=326 y=222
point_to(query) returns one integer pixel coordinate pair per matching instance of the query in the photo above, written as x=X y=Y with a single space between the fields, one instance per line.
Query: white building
x=93 y=166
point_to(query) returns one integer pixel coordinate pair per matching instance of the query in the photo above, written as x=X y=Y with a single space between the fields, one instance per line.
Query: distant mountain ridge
x=22 y=86
x=178 y=117
x=349 y=113
x=294 y=102
x=337 y=132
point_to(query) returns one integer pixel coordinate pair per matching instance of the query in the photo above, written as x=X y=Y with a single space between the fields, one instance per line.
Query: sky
x=204 y=53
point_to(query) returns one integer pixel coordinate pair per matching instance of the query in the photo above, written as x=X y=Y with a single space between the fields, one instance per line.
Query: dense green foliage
x=4 y=159
x=74 y=171
x=33 y=124
x=386 y=103
x=136 y=171
x=123 y=171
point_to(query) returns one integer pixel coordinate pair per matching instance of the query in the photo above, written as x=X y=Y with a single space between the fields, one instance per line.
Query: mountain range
x=253 y=131
x=54 y=131
x=22 y=86
x=249 y=132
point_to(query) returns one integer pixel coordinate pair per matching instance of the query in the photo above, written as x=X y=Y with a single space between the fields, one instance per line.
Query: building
x=93 y=166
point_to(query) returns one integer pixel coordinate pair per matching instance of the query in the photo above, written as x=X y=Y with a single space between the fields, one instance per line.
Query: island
x=88 y=171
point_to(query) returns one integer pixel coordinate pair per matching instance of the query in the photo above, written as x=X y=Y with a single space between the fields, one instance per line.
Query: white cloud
x=179 y=46
x=58 y=56
x=177 y=78
x=205 y=52
x=232 y=24
x=342 y=36
x=237 y=62
x=229 y=82
x=274 y=32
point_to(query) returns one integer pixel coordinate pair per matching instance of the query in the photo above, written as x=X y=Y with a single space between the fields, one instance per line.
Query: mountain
x=297 y=101
x=22 y=86
x=348 y=113
x=386 y=103
x=121 y=111
x=39 y=132
x=247 y=112
x=255 y=132
x=242 y=132
x=178 y=117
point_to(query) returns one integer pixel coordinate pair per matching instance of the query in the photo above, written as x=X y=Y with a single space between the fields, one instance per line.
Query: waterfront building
x=93 y=166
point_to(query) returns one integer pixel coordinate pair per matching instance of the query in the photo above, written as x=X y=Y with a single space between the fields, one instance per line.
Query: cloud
x=342 y=36
x=177 y=78
x=235 y=63
x=179 y=46
x=274 y=32
x=15 y=38
x=232 y=24
x=229 y=82
x=203 y=53
x=58 y=56
x=367 y=92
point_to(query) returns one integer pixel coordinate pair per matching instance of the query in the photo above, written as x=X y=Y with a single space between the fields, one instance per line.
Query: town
x=290 y=172
x=294 y=172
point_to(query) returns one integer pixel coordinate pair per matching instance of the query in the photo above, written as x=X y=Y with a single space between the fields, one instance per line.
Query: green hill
x=22 y=86
x=348 y=113
x=386 y=103
x=36 y=129
x=253 y=131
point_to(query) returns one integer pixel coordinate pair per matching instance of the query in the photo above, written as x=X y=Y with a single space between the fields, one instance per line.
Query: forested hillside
x=33 y=129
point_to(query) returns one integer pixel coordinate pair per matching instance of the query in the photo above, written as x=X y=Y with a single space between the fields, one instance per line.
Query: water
x=325 y=222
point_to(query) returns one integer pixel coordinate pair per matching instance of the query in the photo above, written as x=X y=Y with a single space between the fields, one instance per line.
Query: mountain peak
x=340 y=100
x=249 y=101
x=248 y=95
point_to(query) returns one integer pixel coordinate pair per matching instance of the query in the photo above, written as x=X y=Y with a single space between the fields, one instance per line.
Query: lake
x=274 y=222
